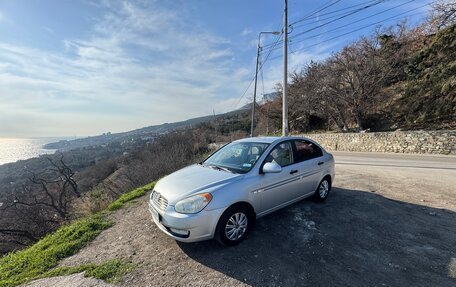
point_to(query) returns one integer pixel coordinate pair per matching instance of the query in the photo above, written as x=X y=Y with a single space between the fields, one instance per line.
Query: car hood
x=193 y=179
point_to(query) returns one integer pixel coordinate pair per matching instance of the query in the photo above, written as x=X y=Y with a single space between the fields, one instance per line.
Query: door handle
x=293 y=171
x=321 y=162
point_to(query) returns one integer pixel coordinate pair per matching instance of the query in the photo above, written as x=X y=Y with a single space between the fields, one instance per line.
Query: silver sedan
x=222 y=196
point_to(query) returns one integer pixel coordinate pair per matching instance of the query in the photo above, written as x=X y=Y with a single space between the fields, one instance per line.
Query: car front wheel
x=233 y=226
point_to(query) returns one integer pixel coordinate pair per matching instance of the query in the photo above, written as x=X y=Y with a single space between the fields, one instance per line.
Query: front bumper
x=191 y=227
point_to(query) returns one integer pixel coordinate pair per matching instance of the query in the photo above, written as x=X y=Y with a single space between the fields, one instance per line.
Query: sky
x=81 y=68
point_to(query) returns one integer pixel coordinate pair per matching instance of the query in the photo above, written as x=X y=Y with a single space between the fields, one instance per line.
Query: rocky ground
x=380 y=226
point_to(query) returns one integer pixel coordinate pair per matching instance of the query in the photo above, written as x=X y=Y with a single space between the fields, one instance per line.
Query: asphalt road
x=396 y=160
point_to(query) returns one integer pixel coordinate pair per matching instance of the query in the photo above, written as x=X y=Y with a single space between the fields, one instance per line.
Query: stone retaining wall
x=431 y=142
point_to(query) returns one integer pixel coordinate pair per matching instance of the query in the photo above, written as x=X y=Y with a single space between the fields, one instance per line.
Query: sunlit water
x=14 y=149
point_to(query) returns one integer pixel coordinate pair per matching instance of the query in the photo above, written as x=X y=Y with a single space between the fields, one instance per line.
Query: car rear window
x=306 y=150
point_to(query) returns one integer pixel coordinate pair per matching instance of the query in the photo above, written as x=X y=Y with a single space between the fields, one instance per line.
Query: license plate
x=155 y=214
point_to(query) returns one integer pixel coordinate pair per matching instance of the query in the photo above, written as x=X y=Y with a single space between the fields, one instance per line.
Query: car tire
x=233 y=225
x=322 y=191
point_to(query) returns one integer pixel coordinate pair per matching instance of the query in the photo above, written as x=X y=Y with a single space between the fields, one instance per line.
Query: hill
x=138 y=136
x=430 y=92
x=397 y=78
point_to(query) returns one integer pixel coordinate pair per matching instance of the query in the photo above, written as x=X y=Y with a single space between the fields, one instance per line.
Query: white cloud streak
x=246 y=32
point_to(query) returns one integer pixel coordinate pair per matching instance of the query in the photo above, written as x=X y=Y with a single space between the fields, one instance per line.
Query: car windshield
x=237 y=157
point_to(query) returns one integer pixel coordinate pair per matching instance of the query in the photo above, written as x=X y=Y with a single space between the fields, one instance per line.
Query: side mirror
x=272 y=167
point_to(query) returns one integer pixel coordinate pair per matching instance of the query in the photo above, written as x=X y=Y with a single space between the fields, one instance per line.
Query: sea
x=14 y=149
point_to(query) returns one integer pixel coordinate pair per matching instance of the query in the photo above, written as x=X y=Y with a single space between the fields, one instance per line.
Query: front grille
x=159 y=201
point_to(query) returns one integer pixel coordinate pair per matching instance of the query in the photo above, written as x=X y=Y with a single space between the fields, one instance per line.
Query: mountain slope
x=430 y=94
x=141 y=134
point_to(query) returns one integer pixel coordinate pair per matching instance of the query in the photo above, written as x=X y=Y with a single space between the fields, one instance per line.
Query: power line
x=359 y=20
x=360 y=28
x=339 y=18
x=357 y=28
x=325 y=6
x=349 y=13
x=329 y=13
x=381 y=12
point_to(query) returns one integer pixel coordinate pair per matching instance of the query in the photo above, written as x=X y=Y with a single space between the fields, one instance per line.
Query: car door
x=277 y=189
x=309 y=163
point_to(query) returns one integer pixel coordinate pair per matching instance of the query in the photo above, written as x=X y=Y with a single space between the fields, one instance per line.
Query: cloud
x=139 y=66
x=48 y=30
x=246 y=32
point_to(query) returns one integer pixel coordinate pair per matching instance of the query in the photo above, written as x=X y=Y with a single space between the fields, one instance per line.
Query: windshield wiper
x=225 y=169
x=220 y=168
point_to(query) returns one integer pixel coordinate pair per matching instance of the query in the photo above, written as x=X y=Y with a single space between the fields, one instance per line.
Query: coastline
x=13 y=149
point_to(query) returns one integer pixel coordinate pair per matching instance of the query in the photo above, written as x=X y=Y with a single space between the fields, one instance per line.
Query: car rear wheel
x=323 y=190
x=233 y=225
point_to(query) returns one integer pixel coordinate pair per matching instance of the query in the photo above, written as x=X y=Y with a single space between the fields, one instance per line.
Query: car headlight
x=193 y=204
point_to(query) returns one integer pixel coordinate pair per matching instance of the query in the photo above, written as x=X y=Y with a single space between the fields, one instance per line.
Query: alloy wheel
x=236 y=226
x=323 y=189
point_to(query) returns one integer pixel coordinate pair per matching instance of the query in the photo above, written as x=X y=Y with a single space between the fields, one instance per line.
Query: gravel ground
x=75 y=280
x=380 y=226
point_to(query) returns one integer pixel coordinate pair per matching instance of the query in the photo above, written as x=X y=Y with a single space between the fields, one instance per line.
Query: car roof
x=269 y=140
x=259 y=139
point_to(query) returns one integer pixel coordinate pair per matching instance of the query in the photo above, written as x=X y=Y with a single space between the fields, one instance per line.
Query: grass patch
x=25 y=265
x=110 y=271
x=37 y=260
x=129 y=196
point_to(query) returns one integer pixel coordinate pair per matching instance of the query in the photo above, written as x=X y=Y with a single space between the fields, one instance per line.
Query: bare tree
x=39 y=206
x=359 y=77
x=325 y=90
x=443 y=14
x=51 y=189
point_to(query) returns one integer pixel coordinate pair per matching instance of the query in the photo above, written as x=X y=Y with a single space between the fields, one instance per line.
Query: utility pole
x=215 y=125
x=252 y=124
x=255 y=87
x=285 y=72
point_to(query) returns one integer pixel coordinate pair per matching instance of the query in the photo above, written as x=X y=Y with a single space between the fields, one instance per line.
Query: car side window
x=306 y=150
x=282 y=154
